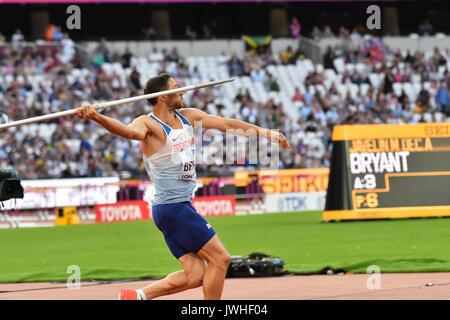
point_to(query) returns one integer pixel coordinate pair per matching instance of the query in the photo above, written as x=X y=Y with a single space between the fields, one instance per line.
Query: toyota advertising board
x=123 y=211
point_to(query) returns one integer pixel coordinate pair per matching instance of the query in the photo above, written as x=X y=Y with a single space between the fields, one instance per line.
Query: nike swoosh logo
x=175 y=139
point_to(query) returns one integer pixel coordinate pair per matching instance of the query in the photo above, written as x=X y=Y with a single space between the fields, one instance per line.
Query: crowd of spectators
x=396 y=67
x=40 y=84
x=342 y=33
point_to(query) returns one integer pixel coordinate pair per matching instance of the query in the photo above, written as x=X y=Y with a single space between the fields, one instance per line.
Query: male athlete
x=167 y=142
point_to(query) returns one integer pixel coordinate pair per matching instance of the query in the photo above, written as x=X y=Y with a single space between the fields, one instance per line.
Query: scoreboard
x=389 y=171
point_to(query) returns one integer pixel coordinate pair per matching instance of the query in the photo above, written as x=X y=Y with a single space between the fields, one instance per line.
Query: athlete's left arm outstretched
x=209 y=121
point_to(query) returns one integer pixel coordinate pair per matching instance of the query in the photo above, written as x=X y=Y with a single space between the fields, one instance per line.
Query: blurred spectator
x=98 y=58
x=235 y=65
x=298 y=96
x=174 y=56
x=327 y=33
x=350 y=59
x=316 y=34
x=53 y=33
x=409 y=58
x=398 y=77
x=214 y=27
x=102 y=48
x=206 y=32
x=425 y=28
x=295 y=28
x=424 y=96
x=135 y=78
x=246 y=71
x=287 y=56
x=299 y=55
x=189 y=33
x=68 y=49
x=17 y=36
x=388 y=82
x=343 y=33
x=259 y=77
x=355 y=36
x=222 y=58
x=126 y=58
x=149 y=33
x=195 y=73
x=443 y=98
x=156 y=56
x=84 y=144
x=328 y=59
x=57 y=34
x=49 y=32
x=2 y=38
x=273 y=84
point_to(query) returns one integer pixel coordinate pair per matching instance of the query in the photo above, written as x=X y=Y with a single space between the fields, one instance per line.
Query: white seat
x=34 y=127
x=439 y=116
x=354 y=89
x=360 y=67
x=417 y=117
x=408 y=87
x=428 y=117
x=397 y=87
x=364 y=88
x=319 y=68
x=339 y=65
x=374 y=79
x=342 y=89
x=415 y=87
x=350 y=67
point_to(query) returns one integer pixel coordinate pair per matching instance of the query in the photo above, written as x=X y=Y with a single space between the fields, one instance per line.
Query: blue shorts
x=184 y=229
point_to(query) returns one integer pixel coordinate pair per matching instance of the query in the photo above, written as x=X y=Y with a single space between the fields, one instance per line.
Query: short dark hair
x=156 y=84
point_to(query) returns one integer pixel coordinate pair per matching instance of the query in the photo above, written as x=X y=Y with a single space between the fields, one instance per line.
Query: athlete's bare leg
x=218 y=258
x=191 y=277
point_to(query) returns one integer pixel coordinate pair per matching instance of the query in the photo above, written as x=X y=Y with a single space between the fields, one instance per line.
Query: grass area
x=137 y=249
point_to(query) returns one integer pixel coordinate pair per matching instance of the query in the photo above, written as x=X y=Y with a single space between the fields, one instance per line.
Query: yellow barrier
x=66 y=216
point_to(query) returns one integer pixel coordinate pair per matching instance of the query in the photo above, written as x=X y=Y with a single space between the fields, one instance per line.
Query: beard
x=177 y=104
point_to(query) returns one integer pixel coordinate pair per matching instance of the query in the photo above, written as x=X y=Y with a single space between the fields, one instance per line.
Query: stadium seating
x=289 y=77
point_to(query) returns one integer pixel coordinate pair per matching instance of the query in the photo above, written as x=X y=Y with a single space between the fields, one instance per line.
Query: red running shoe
x=128 y=294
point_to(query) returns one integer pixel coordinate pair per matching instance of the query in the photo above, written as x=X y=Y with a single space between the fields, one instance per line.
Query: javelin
x=110 y=104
